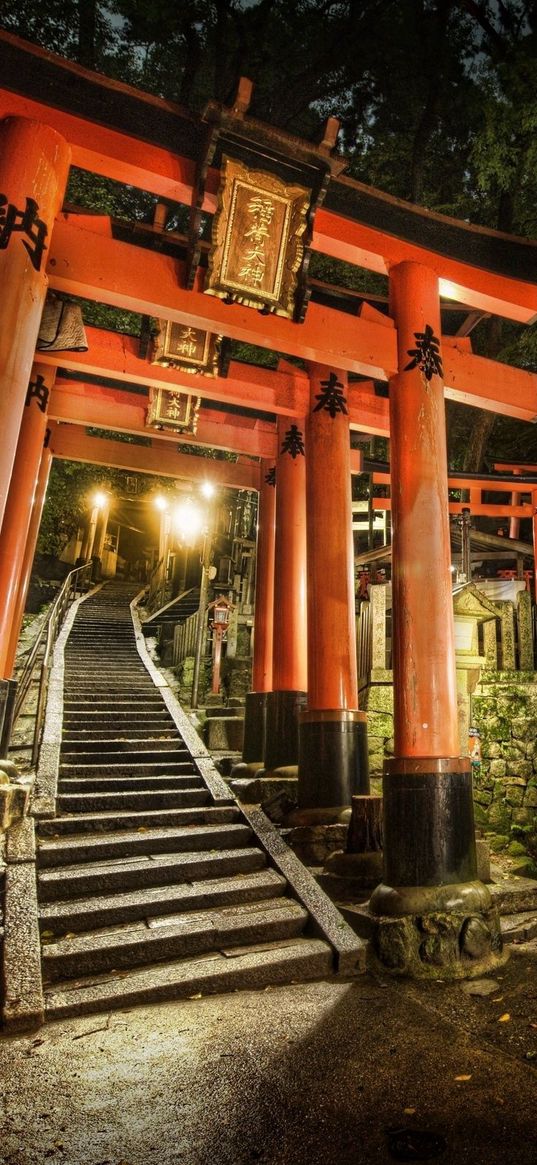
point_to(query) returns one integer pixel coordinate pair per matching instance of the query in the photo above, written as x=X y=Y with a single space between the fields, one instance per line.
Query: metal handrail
x=48 y=634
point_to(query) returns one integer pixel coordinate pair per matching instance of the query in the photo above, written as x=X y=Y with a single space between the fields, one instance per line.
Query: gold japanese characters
x=182 y=346
x=257 y=244
x=171 y=409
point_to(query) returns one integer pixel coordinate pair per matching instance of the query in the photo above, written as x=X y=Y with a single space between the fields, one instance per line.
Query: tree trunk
x=428 y=119
x=87 y=27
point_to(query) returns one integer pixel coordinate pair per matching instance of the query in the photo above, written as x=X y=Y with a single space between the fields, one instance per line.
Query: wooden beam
x=365 y=246
x=71 y=443
x=484 y=511
x=75 y=402
x=85 y=260
x=458 y=481
x=112 y=355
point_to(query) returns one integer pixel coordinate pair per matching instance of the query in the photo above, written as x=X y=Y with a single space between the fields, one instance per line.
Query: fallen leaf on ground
x=467 y=1077
x=409 y=1111
x=503 y=1018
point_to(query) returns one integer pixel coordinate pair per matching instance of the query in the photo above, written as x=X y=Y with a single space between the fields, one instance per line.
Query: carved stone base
x=453 y=932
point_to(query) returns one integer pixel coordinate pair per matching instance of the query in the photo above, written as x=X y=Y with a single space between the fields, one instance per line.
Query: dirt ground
x=314 y=1074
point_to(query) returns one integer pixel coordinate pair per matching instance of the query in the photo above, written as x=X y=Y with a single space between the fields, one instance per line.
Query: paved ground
x=313 y=1074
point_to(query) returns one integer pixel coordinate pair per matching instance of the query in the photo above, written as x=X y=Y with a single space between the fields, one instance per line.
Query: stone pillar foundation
x=281 y=741
x=255 y=713
x=333 y=763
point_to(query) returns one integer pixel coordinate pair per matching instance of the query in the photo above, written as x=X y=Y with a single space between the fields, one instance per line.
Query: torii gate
x=308 y=658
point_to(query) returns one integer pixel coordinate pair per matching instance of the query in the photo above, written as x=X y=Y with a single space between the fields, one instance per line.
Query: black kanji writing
x=38 y=389
x=26 y=222
x=426 y=354
x=48 y=435
x=270 y=477
x=331 y=398
x=293 y=442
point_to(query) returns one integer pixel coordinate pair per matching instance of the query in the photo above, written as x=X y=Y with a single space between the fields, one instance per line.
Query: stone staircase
x=176 y=611
x=150 y=887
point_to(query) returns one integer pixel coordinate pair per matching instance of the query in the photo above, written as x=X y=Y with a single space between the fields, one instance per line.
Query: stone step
x=514 y=895
x=131 y=843
x=79 y=742
x=95 y=740
x=83 y=914
x=134 y=944
x=519 y=928
x=122 y=769
x=144 y=872
x=108 y=684
x=125 y=705
x=148 y=819
x=189 y=780
x=232 y=969
x=158 y=751
x=92 y=719
x=178 y=798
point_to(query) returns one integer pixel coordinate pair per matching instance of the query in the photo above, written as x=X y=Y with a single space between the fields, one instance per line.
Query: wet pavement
x=365 y=1071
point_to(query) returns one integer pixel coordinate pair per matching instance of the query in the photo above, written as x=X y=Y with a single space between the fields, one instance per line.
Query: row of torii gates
x=54 y=115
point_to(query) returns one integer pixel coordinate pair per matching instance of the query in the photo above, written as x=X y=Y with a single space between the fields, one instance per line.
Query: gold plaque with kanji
x=257 y=242
x=182 y=346
x=171 y=409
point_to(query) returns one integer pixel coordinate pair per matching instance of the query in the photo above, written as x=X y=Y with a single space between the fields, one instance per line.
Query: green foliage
x=68 y=496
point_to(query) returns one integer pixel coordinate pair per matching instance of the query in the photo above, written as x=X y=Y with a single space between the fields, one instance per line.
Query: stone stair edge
x=310 y=958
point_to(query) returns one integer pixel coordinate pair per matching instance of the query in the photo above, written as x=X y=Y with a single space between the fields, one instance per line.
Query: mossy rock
x=480 y=816
x=498 y=768
x=497 y=842
x=524 y=868
x=516 y=849
x=499 y=818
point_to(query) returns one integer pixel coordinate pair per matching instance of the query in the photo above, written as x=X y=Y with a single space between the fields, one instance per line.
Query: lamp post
x=189 y=520
x=208 y=492
x=162 y=505
x=102 y=503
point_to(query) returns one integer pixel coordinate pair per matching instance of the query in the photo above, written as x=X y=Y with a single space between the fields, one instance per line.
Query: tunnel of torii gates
x=260 y=182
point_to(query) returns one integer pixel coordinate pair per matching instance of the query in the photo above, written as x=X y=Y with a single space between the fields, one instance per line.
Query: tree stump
x=365 y=827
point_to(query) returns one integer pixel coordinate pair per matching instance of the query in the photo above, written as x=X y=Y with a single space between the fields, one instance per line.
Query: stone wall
x=377 y=701
x=504 y=709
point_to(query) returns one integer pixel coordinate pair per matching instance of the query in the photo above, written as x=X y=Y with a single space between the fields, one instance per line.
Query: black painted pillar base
x=281 y=728
x=333 y=763
x=255 y=717
x=433 y=917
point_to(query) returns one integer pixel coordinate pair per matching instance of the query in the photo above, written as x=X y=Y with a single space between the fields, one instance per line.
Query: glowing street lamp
x=188 y=521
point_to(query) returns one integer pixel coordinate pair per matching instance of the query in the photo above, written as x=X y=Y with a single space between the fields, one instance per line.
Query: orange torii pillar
x=256 y=700
x=436 y=916
x=34 y=164
x=289 y=659
x=333 y=761
x=29 y=552
x=18 y=509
